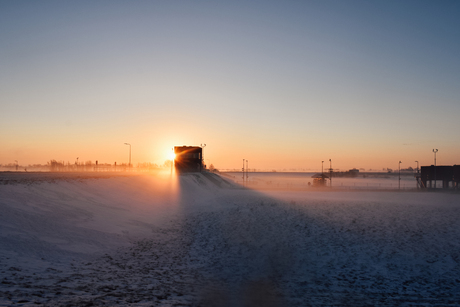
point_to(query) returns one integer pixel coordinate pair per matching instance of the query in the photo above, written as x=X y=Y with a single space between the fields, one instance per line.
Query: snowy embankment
x=198 y=240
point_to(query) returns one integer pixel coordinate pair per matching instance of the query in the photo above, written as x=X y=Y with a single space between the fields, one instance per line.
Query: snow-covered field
x=304 y=181
x=200 y=240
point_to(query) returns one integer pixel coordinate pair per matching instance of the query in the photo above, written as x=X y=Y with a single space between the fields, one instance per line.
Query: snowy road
x=200 y=241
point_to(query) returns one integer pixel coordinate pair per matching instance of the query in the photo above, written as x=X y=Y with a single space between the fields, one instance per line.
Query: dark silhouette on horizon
x=188 y=159
x=432 y=173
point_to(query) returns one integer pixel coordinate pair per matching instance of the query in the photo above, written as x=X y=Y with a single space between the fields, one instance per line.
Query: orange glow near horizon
x=228 y=155
x=227 y=152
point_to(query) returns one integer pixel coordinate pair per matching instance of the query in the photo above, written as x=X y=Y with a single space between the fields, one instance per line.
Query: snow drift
x=200 y=240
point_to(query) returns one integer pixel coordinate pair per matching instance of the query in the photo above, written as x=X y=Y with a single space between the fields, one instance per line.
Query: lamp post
x=435 y=151
x=17 y=165
x=247 y=170
x=330 y=172
x=243 y=170
x=202 y=156
x=399 y=184
x=416 y=175
x=129 y=164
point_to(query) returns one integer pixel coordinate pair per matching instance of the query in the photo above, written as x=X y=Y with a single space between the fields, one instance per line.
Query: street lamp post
x=330 y=172
x=243 y=170
x=435 y=151
x=399 y=184
x=202 y=156
x=417 y=175
x=129 y=165
x=247 y=170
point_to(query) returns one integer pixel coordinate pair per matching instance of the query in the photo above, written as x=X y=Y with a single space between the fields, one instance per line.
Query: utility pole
x=435 y=151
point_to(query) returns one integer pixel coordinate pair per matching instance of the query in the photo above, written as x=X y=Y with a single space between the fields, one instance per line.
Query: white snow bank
x=85 y=216
x=199 y=240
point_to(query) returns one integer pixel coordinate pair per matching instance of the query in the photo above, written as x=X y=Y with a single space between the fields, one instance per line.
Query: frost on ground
x=198 y=240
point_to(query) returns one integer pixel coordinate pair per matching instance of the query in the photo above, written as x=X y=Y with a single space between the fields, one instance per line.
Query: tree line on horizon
x=54 y=165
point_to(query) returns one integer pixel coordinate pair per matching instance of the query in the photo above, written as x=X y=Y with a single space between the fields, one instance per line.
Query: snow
x=301 y=181
x=201 y=240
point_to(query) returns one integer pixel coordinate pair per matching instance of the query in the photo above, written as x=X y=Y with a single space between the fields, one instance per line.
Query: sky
x=283 y=84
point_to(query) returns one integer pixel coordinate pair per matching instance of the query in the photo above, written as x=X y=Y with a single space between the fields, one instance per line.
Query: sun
x=172 y=156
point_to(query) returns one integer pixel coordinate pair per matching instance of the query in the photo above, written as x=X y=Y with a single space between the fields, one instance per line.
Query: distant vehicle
x=319 y=180
x=188 y=159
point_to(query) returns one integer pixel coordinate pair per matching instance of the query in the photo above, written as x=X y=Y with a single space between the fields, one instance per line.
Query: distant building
x=449 y=175
x=353 y=172
x=188 y=159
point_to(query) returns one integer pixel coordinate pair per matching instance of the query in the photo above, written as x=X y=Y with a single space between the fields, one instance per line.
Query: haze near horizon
x=284 y=85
